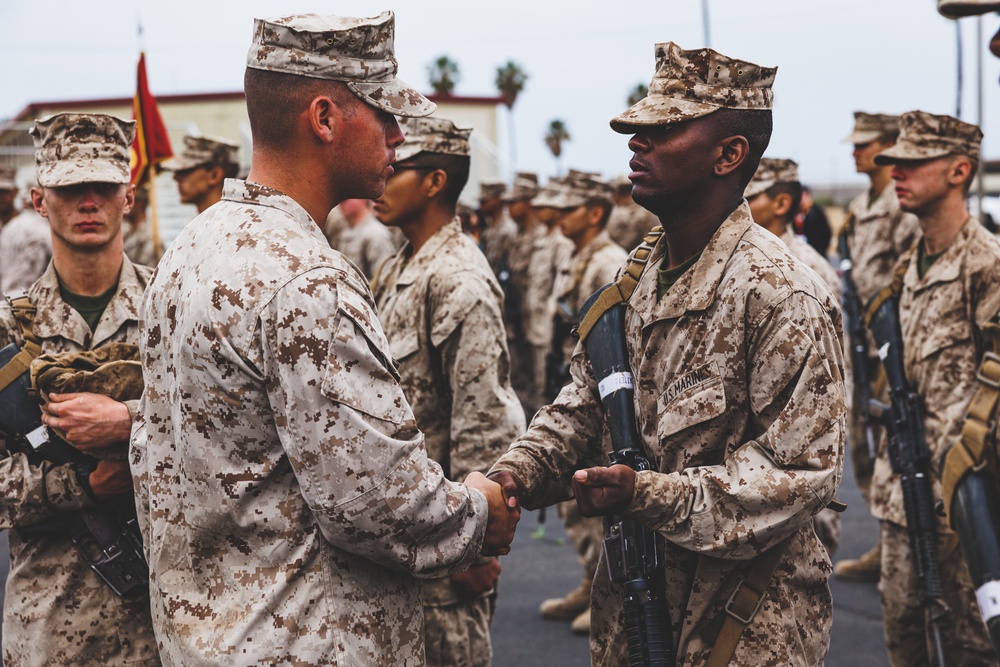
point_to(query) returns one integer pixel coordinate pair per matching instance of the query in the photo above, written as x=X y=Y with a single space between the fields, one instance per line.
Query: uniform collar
x=246 y=192
x=418 y=263
x=696 y=289
x=56 y=318
x=948 y=266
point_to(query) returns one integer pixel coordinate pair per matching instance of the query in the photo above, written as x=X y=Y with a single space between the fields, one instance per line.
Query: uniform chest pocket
x=945 y=336
x=694 y=405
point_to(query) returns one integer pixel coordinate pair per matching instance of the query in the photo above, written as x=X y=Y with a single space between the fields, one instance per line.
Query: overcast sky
x=833 y=57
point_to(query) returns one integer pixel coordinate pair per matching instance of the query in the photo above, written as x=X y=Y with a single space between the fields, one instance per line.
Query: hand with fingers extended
x=504 y=513
x=603 y=491
x=478 y=579
x=86 y=420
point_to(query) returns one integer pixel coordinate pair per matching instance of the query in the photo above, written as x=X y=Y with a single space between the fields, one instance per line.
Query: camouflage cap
x=923 y=136
x=871 y=126
x=695 y=83
x=956 y=9
x=8 y=178
x=621 y=185
x=73 y=148
x=525 y=187
x=771 y=171
x=491 y=190
x=579 y=187
x=200 y=151
x=432 y=135
x=548 y=195
x=356 y=51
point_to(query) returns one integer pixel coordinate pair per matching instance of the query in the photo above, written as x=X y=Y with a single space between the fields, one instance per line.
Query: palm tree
x=554 y=139
x=639 y=92
x=510 y=82
x=443 y=74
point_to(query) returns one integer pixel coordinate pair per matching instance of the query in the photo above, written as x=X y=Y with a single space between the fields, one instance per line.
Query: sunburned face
x=921 y=183
x=369 y=140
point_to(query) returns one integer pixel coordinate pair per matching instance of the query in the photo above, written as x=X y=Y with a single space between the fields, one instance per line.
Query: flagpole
x=154 y=214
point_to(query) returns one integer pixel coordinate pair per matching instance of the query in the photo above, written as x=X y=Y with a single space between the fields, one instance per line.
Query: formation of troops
x=351 y=384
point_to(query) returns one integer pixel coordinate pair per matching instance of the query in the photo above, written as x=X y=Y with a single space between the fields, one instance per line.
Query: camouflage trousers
x=964 y=635
x=458 y=634
x=585 y=534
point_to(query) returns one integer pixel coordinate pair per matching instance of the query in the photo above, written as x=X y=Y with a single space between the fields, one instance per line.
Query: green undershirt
x=90 y=307
x=665 y=278
x=925 y=261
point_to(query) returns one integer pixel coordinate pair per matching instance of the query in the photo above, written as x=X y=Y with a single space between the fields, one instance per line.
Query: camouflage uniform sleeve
x=140 y=476
x=563 y=436
x=29 y=493
x=486 y=415
x=769 y=486
x=350 y=435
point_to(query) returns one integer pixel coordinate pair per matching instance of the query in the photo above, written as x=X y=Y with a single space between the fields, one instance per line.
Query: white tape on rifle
x=988 y=596
x=613 y=383
x=38 y=437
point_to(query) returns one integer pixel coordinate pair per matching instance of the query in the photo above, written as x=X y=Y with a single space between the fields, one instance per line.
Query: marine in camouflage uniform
x=737 y=353
x=8 y=194
x=284 y=489
x=878 y=233
x=201 y=168
x=629 y=222
x=365 y=241
x=57 y=611
x=500 y=230
x=773 y=196
x=950 y=288
x=441 y=308
x=583 y=203
x=25 y=251
x=549 y=251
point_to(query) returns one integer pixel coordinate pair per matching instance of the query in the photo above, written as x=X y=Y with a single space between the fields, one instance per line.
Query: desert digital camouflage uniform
x=137 y=240
x=57 y=611
x=441 y=311
x=367 y=244
x=500 y=229
x=878 y=233
x=282 y=483
x=334 y=227
x=629 y=222
x=8 y=187
x=201 y=151
x=549 y=251
x=740 y=402
x=705 y=360
x=940 y=315
x=25 y=250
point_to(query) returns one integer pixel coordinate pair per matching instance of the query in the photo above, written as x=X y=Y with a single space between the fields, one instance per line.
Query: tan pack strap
x=621 y=291
x=969 y=453
x=24 y=313
x=893 y=289
x=744 y=604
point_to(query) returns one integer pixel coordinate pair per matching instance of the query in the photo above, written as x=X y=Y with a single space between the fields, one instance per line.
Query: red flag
x=151 y=145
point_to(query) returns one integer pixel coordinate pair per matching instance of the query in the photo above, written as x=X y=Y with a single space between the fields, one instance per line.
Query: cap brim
x=393 y=96
x=957 y=10
x=179 y=163
x=754 y=188
x=659 y=110
x=7 y=185
x=862 y=137
x=907 y=151
x=405 y=152
x=64 y=173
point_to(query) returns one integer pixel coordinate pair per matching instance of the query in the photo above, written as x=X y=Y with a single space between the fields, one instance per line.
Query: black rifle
x=634 y=552
x=107 y=536
x=911 y=460
x=856 y=335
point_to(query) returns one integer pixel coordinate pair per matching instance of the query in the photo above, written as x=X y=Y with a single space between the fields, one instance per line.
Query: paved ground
x=538 y=569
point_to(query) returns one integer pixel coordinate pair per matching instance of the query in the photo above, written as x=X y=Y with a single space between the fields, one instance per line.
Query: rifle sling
x=24 y=313
x=970 y=452
x=744 y=603
x=621 y=291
